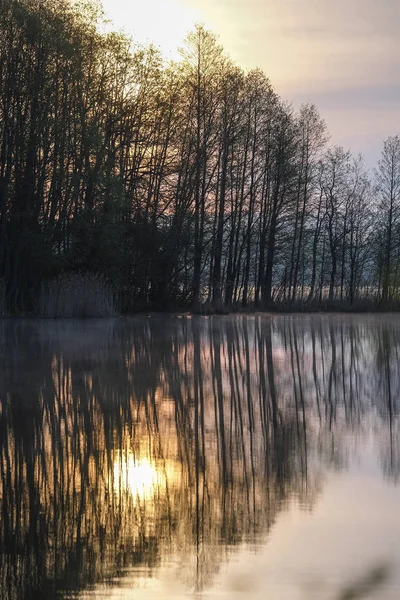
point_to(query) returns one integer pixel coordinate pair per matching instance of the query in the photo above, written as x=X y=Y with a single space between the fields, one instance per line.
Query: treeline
x=190 y=184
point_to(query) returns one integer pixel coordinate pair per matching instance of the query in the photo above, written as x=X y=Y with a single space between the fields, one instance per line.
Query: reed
x=2 y=298
x=77 y=295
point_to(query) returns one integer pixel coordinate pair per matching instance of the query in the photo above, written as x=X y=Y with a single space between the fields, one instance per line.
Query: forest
x=130 y=183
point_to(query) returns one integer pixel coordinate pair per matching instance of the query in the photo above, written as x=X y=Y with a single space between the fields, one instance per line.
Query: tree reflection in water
x=127 y=441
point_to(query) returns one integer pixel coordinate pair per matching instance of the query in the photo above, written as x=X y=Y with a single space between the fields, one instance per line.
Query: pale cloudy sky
x=342 y=55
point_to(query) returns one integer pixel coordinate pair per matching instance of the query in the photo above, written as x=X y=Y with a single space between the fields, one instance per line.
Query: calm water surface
x=175 y=457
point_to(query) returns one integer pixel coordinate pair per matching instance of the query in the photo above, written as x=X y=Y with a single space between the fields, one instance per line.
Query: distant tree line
x=189 y=184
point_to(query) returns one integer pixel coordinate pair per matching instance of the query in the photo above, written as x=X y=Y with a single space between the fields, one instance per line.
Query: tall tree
x=388 y=190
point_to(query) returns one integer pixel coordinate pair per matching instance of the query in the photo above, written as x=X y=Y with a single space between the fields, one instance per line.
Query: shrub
x=81 y=295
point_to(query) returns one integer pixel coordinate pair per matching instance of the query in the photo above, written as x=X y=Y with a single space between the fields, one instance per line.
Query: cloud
x=340 y=55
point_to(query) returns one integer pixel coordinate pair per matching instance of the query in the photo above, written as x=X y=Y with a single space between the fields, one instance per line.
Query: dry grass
x=360 y=305
x=2 y=298
x=82 y=295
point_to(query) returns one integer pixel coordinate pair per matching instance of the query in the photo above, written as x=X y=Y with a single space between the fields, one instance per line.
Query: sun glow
x=162 y=22
x=140 y=477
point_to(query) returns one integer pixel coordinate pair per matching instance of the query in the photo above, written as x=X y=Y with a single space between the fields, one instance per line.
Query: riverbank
x=86 y=295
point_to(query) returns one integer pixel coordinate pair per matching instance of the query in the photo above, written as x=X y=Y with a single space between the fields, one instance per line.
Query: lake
x=177 y=457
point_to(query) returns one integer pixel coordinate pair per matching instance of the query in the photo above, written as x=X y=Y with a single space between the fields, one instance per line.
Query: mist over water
x=169 y=456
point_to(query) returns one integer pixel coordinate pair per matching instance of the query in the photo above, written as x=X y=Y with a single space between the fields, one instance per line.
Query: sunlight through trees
x=183 y=184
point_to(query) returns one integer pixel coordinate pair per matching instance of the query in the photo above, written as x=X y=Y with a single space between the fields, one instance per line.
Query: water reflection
x=142 y=478
x=125 y=442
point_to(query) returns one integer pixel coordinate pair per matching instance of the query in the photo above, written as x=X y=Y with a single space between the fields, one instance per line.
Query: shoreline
x=189 y=314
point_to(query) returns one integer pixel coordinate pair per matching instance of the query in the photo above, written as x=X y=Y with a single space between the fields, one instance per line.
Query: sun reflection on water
x=141 y=477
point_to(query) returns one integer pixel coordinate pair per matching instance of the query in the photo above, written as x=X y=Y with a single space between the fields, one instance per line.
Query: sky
x=341 y=55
